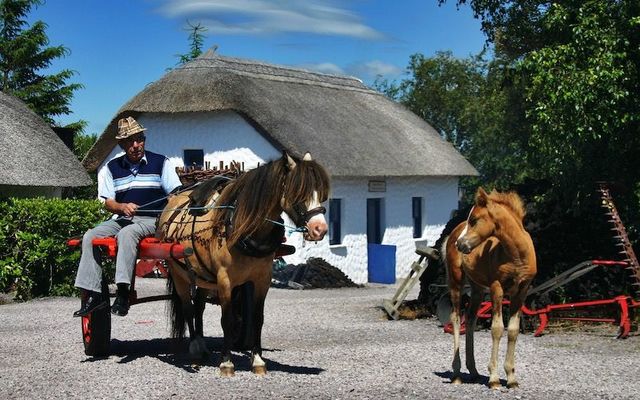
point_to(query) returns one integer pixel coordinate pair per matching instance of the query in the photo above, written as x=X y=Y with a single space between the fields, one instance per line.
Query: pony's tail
x=175 y=311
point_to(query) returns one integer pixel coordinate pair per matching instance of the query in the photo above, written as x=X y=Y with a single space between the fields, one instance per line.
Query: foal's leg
x=472 y=317
x=497 y=328
x=454 y=292
x=512 y=334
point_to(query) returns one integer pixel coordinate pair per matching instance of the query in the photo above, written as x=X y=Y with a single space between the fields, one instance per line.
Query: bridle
x=301 y=216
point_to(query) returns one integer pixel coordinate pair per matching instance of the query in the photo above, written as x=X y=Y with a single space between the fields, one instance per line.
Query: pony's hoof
x=495 y=385
x=227 y=369
x=513 y=385
x=456 y=380
x=259 y=370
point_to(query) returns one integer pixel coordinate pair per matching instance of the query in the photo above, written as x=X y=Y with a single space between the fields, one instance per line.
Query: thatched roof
x=31 y=154
x=351 y=129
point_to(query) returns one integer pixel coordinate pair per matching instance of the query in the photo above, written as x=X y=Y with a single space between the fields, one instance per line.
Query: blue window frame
x=416 y=213
x=335 y=220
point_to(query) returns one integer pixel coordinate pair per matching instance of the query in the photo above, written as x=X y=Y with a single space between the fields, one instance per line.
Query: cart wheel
x=443 y=309
x=96 y=328
x=242 y=305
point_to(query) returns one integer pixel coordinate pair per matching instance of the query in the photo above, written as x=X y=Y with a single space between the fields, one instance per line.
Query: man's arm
x=107 y=194
x=170 y=179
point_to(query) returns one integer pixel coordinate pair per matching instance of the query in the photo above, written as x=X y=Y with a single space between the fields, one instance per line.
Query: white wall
x=440 y=198
x=224 y=136
x=227 y=136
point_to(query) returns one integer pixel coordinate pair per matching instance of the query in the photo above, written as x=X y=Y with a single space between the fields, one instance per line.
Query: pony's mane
x=256 y=194
x=510 y=200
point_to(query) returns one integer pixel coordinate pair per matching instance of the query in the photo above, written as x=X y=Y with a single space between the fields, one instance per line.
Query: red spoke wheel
x=96 y=329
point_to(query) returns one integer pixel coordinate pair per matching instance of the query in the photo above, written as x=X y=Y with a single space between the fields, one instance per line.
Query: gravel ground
x=323 y=343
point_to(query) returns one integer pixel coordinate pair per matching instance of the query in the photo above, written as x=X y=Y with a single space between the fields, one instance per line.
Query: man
x=131 y=186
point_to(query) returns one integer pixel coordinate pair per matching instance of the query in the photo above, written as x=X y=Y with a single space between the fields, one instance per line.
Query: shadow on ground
x=174 y=352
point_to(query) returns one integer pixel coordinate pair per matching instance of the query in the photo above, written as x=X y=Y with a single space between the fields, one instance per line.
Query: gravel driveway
x=334 y=344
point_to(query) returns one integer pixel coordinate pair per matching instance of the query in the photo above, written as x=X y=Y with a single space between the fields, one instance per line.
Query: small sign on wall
x=377 y=186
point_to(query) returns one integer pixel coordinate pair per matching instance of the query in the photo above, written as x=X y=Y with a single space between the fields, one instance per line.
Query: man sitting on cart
x=131 y=186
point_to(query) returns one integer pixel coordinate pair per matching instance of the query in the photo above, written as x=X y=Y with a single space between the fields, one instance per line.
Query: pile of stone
x=315 y=273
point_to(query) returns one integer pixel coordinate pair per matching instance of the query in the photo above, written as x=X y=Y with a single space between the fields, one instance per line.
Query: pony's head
x=306 y=187
x=485 y=217
x=296 y=186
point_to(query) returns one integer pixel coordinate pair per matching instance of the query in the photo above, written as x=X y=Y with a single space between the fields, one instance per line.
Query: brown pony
x=494 y=251
x=234 y=238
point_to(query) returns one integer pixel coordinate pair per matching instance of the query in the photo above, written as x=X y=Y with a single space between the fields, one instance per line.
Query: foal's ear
x=291 y=163
x=481 y=197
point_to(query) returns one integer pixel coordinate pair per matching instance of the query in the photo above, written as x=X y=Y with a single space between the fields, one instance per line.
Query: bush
x=34 y=257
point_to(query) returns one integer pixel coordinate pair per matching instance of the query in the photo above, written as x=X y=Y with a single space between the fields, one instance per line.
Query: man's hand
x=128 y=209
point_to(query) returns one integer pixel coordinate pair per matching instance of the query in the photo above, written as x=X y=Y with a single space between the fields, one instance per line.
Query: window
x=334 y=221
x=416 y=213
x=194 y=158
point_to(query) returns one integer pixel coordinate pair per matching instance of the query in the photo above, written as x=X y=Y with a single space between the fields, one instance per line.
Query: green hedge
x=34 y=257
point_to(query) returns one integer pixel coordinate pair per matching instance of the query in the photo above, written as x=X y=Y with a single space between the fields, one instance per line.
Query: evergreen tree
x=24 y=54
x=196 y=41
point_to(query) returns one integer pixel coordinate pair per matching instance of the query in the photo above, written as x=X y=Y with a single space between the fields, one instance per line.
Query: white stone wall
x=440 y=198
x=224 y=136
x=227 y=136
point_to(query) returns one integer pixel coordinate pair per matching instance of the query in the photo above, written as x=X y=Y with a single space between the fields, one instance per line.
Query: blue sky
x=119 y=46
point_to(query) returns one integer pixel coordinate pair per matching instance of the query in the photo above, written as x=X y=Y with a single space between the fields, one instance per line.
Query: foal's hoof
x=259 y=370
x=227 y=369
x=513 y=385
x=456 y=380
x=495 y=385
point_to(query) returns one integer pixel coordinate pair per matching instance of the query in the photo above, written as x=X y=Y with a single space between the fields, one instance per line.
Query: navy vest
x=141 y=188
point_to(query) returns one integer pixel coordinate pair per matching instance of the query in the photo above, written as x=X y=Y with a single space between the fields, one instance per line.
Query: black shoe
x=94 y=302
x=120 y=306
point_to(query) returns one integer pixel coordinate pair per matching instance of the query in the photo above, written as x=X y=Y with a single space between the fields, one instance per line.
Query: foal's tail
x=175 y=310
x=443 y=252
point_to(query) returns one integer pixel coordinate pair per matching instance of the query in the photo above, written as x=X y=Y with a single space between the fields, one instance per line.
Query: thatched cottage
x=394 y=180
x=33 y=160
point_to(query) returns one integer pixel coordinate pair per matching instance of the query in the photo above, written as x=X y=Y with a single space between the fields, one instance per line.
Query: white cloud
x=270 y=16
x=372 y=69
x=325 y=68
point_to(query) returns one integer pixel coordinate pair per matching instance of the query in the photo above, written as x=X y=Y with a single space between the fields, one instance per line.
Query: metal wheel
x=443 y=309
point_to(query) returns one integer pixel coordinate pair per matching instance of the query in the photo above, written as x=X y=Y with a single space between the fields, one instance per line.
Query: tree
x=196 y=41
x=578 y=68
x=564 y=101
x=578 y=63
x=466 y=102
x=24 y=54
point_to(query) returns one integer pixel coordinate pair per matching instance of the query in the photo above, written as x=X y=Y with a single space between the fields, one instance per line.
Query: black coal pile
x=315 y=273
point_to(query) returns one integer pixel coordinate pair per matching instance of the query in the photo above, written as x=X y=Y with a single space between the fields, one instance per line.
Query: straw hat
x=128 y=127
